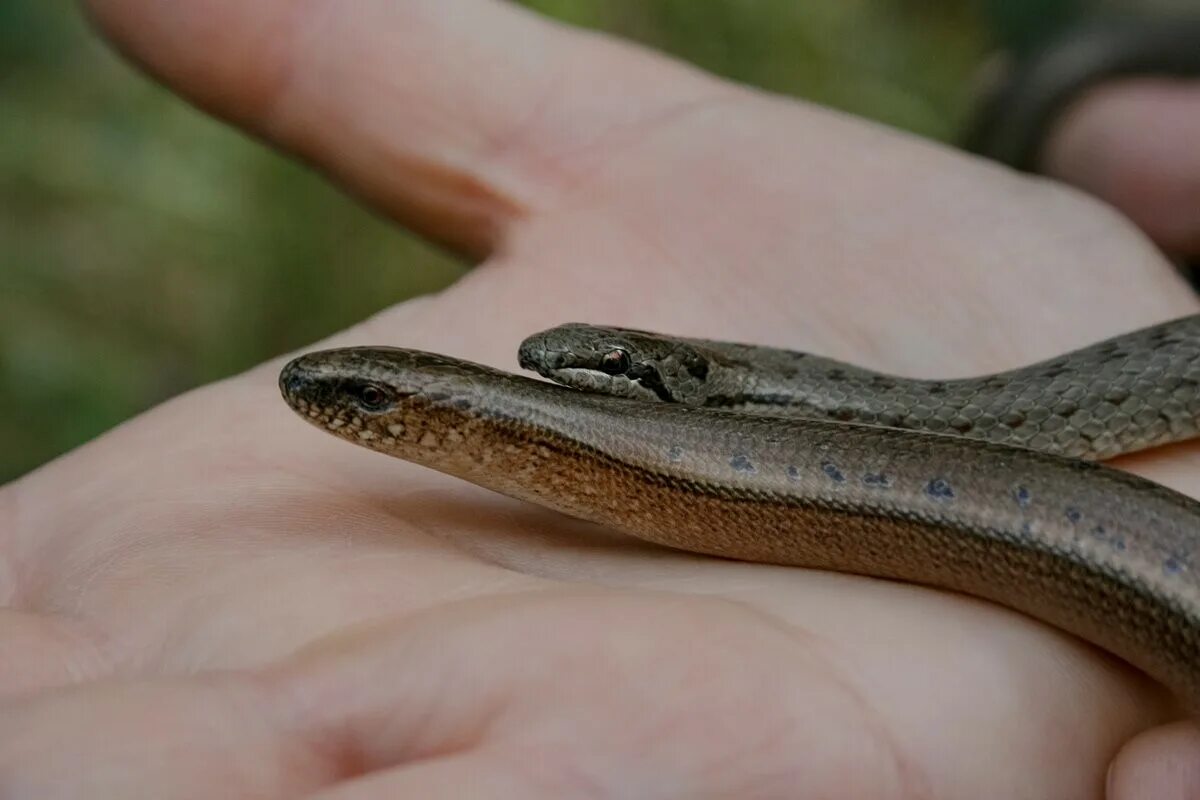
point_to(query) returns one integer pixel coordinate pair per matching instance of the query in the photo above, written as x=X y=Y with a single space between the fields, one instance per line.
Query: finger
x=1133 y=144
x=1163 y=763
x=454 y=117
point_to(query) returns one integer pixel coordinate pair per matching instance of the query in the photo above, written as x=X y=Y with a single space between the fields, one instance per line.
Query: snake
x=990 y=486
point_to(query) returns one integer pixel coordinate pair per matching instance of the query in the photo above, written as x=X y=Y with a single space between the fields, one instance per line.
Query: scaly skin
x=1124 y=394
x=1097 y=552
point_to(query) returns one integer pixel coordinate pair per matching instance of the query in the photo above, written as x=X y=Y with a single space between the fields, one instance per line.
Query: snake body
x=1117 y=396
x=1105 y=555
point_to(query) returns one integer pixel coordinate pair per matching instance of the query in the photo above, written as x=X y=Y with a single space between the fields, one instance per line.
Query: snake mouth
x=593 y=381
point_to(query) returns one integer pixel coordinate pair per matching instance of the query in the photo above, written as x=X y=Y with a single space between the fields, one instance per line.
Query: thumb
x=455 y=118
x=1162 y=763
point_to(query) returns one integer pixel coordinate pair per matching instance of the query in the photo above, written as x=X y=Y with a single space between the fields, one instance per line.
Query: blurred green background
x=146 y=249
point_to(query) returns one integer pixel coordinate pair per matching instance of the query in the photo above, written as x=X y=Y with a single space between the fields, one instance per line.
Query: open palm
x=216 y=599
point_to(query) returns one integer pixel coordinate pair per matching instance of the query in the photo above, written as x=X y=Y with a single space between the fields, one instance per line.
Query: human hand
x=366 y=628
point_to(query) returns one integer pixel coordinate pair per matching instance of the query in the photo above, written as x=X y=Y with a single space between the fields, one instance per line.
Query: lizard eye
x=371 y=397
x=614 y=362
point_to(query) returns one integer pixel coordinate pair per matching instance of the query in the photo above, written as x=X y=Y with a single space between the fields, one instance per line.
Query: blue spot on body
x=830 y=469
x=1118 y=543
x=1023 y=497
x=675 y=454
x=939 y=489
x=1172 y=566
x=1026 y=529
x=1099 y=532
x=741 y=463
x=1074 y=514
x=793 y=472
x=877 y=479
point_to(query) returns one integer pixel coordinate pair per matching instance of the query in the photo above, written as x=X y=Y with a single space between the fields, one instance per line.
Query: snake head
x=382 y=397
x=620 y=361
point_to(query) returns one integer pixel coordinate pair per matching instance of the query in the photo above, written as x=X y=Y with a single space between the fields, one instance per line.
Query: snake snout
x=526 y=357
x=539 y=359
x=294 y=380
x=301 y=381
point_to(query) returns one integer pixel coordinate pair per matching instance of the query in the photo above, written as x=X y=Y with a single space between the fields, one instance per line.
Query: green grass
x=146 y=249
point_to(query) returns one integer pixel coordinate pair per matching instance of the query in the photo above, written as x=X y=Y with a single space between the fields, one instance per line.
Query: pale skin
x=217 y=596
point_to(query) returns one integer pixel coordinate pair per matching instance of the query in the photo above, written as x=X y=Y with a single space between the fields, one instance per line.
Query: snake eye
x=614 y=362
x=371 y=396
